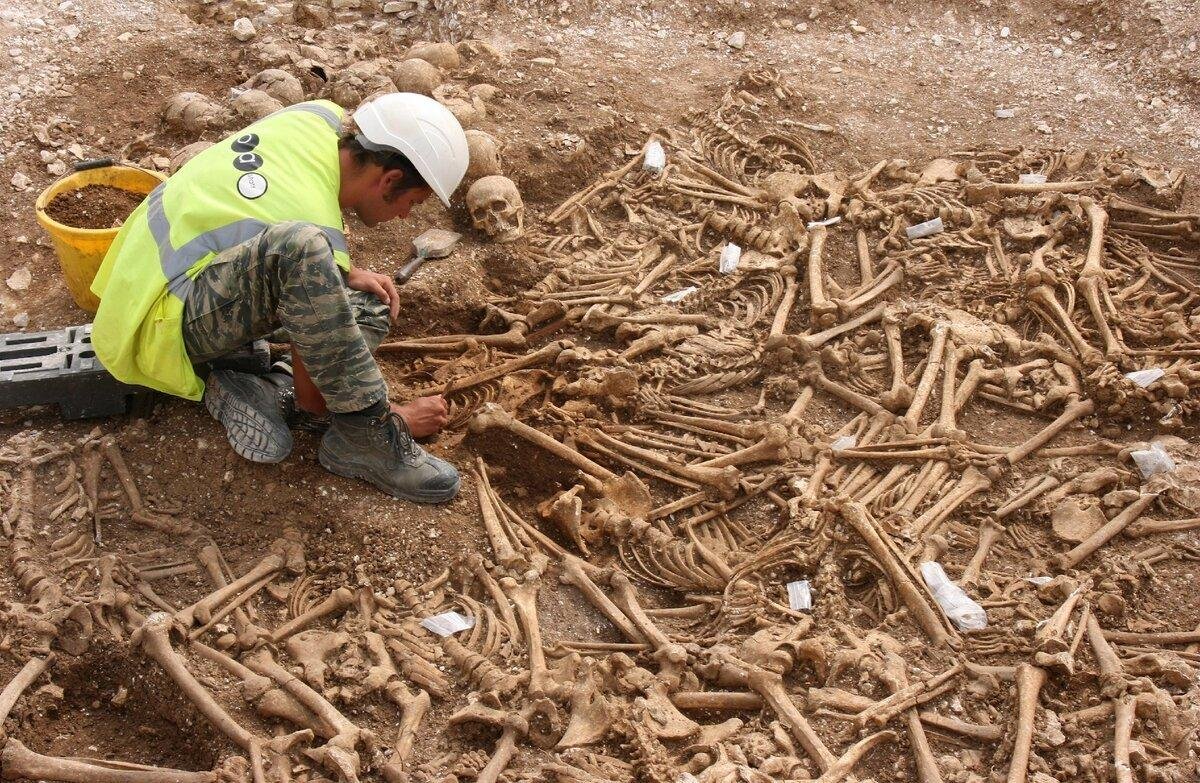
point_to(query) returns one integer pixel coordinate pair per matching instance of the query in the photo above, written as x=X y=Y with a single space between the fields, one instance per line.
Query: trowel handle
x=405 y=273
x=94 y=163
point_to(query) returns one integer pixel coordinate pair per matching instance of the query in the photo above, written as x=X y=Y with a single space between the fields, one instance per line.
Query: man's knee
x=373 y=316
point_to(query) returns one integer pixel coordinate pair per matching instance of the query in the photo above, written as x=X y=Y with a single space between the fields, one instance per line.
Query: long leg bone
x=1092 y=276
x=21 y=763
x=903 y=580
x=824 y=312
x=153 y=638
x=1097 y=539
x=1030 y=680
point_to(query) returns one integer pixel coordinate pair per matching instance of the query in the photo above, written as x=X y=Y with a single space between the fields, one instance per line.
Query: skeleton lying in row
x=807 y=417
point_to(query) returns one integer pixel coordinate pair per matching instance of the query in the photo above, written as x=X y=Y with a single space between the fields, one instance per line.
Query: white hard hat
x=422 y=130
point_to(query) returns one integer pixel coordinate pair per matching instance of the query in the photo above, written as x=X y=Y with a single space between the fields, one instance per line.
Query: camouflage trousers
x=286 y=278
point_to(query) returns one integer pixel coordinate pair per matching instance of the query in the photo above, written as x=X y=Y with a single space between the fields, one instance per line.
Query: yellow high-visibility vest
x=282 y=168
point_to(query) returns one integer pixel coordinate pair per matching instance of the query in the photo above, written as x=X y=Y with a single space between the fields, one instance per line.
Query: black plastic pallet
x=60 y=368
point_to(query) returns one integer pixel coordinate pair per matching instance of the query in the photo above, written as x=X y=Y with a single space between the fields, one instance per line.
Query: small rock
x=1057 y=52
x=1005 y=114
x=802 y=27
x=20 y=181
x=20 y=279
x=836 y=69
x=858 y=28
x=737 y=40
x=936 y=39
x=125 y=37
x=243 y=29
x=396 y=6
x=56 y=169
x=1042 y=127
x=21 y=320
x=549 y=62
x=1005 y=32
x=120 y=697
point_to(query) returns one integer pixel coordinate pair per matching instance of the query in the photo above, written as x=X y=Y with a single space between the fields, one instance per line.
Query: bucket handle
x=93 y=163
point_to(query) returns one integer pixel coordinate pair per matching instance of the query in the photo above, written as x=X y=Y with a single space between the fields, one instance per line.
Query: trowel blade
x=436 y=243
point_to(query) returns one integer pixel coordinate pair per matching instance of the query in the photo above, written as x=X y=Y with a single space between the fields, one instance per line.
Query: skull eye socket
x=499 y=204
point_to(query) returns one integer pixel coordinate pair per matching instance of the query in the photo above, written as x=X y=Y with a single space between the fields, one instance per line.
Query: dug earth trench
x=961 y=327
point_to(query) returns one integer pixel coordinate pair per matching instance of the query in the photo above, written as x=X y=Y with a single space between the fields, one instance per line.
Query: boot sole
x=252 y=434
x=350 y=471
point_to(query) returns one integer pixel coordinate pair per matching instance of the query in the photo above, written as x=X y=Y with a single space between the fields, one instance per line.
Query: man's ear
x=390 y=178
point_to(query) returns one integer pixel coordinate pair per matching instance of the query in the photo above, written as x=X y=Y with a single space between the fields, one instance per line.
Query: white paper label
x=655 y=158
x=1032 y=179
x=731 y=256
x=447 y=623
x=680 y=295
x=844 y=442
x=799 y=596
x=1144 y=378
x=928 y=228
x=1153 y=460
x=1005 y=114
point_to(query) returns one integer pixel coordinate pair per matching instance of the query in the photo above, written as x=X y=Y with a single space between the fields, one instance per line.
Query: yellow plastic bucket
x=81 y=250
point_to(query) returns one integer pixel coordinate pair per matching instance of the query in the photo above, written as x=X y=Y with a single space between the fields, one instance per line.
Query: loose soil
x=582 y=85
x=94 y=206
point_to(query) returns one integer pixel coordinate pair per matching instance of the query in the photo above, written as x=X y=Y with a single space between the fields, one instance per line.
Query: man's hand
x=374 y=283
x=424 y=415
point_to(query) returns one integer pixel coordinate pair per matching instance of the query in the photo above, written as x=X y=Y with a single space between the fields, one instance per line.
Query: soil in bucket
x=93 y=206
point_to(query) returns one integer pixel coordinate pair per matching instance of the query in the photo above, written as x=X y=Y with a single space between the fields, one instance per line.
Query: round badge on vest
x=248 y=161
x=252 y=185
x=245 y=142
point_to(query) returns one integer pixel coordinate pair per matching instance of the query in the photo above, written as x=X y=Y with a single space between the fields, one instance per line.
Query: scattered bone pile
x=850 y=402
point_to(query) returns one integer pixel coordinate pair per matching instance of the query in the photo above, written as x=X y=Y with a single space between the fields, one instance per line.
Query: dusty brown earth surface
x=581 y=88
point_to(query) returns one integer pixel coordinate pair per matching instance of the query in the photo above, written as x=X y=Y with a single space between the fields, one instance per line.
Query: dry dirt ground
x=581 y=87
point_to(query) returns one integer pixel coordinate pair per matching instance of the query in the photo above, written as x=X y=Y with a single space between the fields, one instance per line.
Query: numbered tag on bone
x=799 y=596
x=926 y=229
x=680 y=295
x=447 y=623
x=731 y=256
x=1144 y=378
x=654 y=158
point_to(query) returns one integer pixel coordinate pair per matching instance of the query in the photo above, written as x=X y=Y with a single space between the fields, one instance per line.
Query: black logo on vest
x=248 y=161
x=245 y=142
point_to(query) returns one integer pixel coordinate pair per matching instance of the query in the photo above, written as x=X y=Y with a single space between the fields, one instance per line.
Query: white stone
x=243 y=29
x=20 y=181
x=1005 y=32
x=737 y=40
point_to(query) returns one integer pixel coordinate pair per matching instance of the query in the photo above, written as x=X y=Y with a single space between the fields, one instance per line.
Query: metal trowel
x=434 y=243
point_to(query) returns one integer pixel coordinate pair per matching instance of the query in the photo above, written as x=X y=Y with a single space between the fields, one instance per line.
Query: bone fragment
x=844 y=765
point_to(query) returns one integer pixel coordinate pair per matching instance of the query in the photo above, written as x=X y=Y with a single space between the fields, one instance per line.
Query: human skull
x=496 y=208
x=484 y=155
x=417 y=75
x=279 y=84
x=193 y=113
x=253 y=105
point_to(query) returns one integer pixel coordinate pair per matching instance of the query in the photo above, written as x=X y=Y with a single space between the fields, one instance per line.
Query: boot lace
x=393 y=429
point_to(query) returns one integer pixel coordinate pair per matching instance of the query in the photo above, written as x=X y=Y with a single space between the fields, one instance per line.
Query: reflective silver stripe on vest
x=176 y=263
x=328 y=115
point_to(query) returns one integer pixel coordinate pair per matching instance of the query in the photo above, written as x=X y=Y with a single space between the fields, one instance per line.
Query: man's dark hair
x=365 y=153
